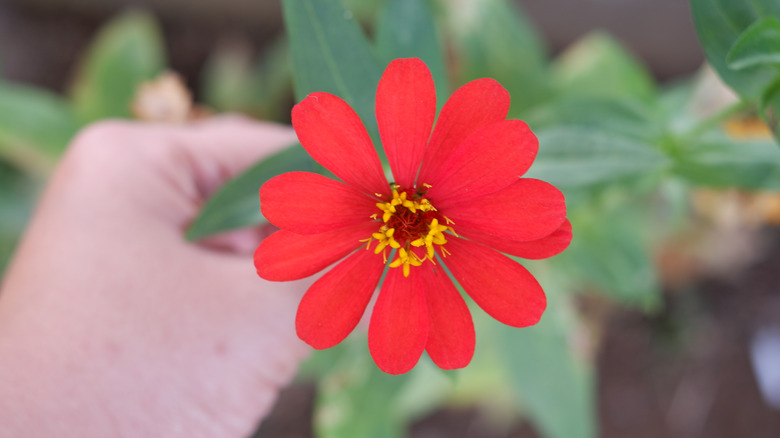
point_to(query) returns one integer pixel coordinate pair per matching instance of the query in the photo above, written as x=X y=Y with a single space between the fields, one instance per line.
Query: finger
x=222 y=147
x=126 y=169
x=210 y=151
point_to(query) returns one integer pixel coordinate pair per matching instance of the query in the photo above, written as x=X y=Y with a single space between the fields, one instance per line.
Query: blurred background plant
x=670 y=186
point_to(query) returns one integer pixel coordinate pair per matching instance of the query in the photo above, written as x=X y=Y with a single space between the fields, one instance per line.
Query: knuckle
x=102 y=134
x=101 y=147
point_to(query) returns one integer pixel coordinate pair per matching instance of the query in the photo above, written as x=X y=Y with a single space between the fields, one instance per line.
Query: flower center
x=409 y=221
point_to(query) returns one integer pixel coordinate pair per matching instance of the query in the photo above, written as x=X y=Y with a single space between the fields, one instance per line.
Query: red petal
x=308 y=203
x=398 y=329
x=543 y=248
x=285 y=256
x=405 y=110
x=333 y=305
x=529 y=209
x=490 y=159
x=472 y=106
x=334 y=136
x=451 y=335
x=503 y=288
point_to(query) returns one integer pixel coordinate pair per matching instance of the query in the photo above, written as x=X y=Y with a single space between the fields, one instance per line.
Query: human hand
x=112 y=324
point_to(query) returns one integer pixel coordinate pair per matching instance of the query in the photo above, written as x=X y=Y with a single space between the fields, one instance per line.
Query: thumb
x=222 y=147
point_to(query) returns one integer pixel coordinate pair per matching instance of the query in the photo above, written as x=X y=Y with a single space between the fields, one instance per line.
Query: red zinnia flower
x=454 y=196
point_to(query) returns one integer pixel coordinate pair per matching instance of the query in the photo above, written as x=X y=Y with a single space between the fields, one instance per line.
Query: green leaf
x=576 y=158
x=597 y=65
x=758 y=45
x=356 y=399
x=236 y=204
x=622 y=116
x=127 y=51
x=330 y=53
x=719 y=24
x=427 y=388
x=493 y=39
x=35 y=127
x=406 y=29
x=674 y=110
x=556 y=388
x=720 y=161
x=611 y=253
x=364 y=11
x=16 y=203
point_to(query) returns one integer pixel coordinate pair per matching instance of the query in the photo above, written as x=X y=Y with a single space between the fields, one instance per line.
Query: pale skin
x=112 y=324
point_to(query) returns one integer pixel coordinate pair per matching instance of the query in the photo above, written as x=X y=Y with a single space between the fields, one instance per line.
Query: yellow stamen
x=385 y=238
x=425 y=205
x=380 y=246
x=406 y=259
x=407 y=222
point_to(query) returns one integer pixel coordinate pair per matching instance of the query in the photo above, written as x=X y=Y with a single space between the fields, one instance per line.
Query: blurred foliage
x=406 y=29
x=611 y=138
x=597 y=65
x=720 y=24
x=16 y=199
x=126 y=52
x=741 y=40
x=619 y=231
x=577 y=159
x=491 y=38
x=234 y=81
x=717 y=160
x=36 y=125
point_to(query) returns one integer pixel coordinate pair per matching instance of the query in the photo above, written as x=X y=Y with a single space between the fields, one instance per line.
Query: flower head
x=457 y=200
